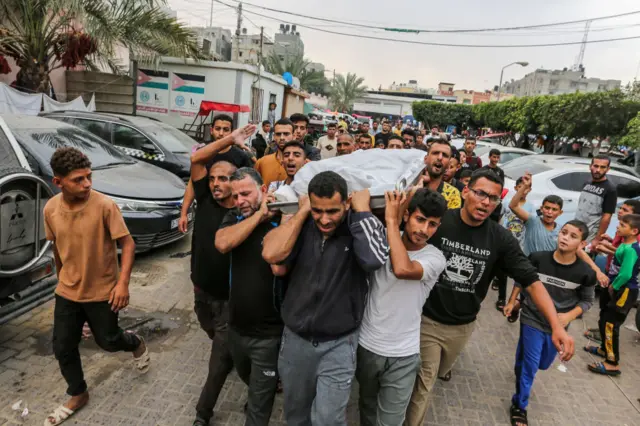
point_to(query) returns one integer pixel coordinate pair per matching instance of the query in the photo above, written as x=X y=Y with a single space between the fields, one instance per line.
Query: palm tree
x=298 y=67
x=42 y=35
x=345 y=90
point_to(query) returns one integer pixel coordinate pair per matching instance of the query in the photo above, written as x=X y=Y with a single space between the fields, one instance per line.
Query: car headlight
x=127 y=205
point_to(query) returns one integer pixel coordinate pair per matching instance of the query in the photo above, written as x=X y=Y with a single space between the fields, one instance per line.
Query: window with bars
x=257 y=95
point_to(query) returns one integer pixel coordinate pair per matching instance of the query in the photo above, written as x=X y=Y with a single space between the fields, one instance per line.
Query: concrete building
x=410 y=87
x=287 y=43
x=384 y=104
x=556 y=82
x=215 y=41
x=316 y=66
x=246 y=48
x=445 y=89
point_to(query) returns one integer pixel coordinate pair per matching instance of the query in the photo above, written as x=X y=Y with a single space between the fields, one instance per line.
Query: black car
x=150 y=198
x=143 y=138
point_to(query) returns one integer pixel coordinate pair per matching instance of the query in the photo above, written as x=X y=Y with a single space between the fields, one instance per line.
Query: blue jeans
x=535 y=352
x=316 y=378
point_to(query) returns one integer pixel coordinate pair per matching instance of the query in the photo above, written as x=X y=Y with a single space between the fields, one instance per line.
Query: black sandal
x=500 y=305
x=515 y=314
x=518 y=416
x=494 y=285
x=446 y=377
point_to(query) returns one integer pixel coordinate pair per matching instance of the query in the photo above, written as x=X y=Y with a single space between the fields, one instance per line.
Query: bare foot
x=140 y=350
x=74 y=404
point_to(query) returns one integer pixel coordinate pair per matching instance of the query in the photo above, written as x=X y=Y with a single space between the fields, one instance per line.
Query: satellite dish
x=288 y=77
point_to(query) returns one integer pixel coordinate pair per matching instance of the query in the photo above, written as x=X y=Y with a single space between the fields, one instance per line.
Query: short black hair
x=466 y=174
x=266 y=122
x=297 y=144
x=486 y=174
x=222 y=117
x=582 y=227
x=284 y=122
x=455 y=153
x=430 y=203
x=421 y=147
x=634 y=204
x=299 y=117
x=553 y=199
x=601 y=157
x=243 y=172
x=633 y=220
x=332 y=125
x=67 y=159
x=494 y=151
x=470 y=139
x=409 y=132
x=438 y=141
x=394 y=137
x=327 y=183
x=365 y=135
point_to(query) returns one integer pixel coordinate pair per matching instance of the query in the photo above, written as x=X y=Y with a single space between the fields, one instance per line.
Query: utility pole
x=238 y=29
x=211 y=15
x=261 y=40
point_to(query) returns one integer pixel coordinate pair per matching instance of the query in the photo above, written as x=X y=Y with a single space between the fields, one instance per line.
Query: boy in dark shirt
x=621 y=296
x=494 y=159
x=570 y=282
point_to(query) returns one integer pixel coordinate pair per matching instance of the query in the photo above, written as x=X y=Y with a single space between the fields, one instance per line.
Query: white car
x=507 y=153
x=563 y=179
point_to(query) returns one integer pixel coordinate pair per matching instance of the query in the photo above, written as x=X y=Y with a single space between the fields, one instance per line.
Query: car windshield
x=514 y=171
x=481 y=150
x=42 y=143
x=170 y=137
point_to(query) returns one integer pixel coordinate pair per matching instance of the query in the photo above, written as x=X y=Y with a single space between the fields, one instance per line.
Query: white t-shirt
x=323 y=143
x=391 y=323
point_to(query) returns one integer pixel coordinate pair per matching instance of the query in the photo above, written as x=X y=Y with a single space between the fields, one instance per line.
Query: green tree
x=346 y=90
x=42 y=35
x=298 y=66
x=632 y=138
x=442 y=114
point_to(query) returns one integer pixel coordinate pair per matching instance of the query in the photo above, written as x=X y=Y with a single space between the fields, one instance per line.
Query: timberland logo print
x=465 y=266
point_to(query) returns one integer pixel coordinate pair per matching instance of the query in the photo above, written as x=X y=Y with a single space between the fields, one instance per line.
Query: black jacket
x=259 y=144
x=329 y=279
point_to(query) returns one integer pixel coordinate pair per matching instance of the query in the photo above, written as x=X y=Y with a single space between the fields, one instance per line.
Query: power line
x=426 y=43
x=411 y=30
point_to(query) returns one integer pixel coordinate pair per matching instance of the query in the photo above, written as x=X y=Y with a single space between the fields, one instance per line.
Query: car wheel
x=22 y=241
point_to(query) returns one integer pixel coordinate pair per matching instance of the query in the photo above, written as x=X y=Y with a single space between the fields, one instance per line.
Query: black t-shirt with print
x=252 y=304
x=383 y=137
x=235 y=156
x=209 y=267
x=497 y=170
x=473 y=254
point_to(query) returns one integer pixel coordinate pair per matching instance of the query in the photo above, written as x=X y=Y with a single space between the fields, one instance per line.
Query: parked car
x=143 y=138
x=579 y=160
x=564 y=179
x=27 y=267
x=150 y=198
x=507 y=153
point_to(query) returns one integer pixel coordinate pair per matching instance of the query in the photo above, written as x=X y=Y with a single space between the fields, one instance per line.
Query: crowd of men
x=305 y=303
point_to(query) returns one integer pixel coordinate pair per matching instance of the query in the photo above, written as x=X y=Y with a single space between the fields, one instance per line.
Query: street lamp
x=522 y=64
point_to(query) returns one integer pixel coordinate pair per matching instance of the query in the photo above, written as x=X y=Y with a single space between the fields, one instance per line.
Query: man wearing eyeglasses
x=474 y=248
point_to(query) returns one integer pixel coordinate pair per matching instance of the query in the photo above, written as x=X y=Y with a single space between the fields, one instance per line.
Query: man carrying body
x=84 y=226
x=389 y=349
x=395 y=142
x=234 y=154
x=270 y=166
x=293 y=158
x=437 y=162
x=365 y=141
x=209 y=267
x=327 y=143
x=328 y=258
x=346 y=144
x=494 y=159
x=474 y=247
x=255 y=326
x=597 y=200
x=472 y=162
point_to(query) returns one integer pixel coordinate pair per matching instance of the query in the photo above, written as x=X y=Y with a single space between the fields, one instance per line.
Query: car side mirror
x=149 y=148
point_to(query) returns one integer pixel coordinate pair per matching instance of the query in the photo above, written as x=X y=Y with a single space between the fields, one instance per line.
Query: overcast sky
x=383 y=62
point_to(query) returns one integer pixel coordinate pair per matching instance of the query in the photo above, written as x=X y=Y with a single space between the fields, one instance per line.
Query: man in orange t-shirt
x=270 y=166
x=84 y=226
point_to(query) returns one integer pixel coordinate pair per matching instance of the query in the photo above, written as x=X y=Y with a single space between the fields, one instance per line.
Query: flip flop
x=594 y=350
x=59 y=415
x=143 y=362
x=518 y=416
x=599 y=368
x=515 y=314
x=446 y=377
x=593 y=334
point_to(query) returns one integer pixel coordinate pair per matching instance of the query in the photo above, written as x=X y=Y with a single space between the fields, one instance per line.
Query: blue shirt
x=539 y=238
x=513 y=222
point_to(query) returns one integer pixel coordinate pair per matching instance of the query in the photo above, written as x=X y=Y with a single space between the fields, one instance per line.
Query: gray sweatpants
x=256 y=361
x=386 y=384
x=316 y=379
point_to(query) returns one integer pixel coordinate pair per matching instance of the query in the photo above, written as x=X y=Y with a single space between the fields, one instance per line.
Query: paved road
x=161 y=309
